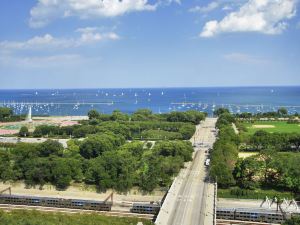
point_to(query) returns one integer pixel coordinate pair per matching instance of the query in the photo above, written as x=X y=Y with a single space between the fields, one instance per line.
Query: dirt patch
x=263 y=126
x=82 y=192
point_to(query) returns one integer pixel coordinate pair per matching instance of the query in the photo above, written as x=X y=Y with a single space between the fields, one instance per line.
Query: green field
x=278 y=126
x=21 y=217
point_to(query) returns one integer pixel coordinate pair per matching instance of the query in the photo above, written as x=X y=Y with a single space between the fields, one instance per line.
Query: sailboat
x=136 y=101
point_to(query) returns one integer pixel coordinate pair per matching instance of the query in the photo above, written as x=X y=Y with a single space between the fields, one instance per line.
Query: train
x=56 y=202
x=145 y=208
x=254 y=215
x=139 y=208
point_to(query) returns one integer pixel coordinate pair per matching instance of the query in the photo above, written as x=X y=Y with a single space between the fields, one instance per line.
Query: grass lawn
x=272 y=127
x=247 y=154
x=23 y=217
x=252 y=194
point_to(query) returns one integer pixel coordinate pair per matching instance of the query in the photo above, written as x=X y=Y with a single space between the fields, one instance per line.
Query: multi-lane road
x=191 y=198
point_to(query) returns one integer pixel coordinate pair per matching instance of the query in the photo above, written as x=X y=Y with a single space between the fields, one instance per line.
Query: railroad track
x=238 y=222
x=7 y=207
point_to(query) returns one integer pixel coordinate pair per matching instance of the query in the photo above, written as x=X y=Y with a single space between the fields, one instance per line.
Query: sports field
x=272 y=127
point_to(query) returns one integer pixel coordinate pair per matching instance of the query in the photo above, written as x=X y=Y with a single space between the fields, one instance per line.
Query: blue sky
x=154 y=43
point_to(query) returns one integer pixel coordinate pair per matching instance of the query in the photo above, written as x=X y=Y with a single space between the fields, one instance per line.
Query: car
x=207 y=162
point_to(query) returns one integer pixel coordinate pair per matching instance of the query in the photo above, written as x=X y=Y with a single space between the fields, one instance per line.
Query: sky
x=148 y=43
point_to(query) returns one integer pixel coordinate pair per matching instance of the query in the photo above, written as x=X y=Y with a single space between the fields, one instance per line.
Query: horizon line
x=167 y=87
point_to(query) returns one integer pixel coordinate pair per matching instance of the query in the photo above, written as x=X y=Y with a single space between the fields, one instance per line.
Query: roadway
x=190 y=199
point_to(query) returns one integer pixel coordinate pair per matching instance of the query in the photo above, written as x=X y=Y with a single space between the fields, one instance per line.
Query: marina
x=159 y=100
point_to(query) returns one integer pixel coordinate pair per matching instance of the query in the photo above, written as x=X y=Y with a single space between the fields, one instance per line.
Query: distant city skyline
x=154 y=43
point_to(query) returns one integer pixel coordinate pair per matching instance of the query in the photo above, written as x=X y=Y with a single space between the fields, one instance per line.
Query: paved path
x=15 y=140
x=190 y=199
x=236 y=131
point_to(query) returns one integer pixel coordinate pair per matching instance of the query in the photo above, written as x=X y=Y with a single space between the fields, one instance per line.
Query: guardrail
x=215 y=202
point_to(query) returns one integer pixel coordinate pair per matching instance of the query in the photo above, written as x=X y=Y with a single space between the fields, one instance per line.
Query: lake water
x=159 y=100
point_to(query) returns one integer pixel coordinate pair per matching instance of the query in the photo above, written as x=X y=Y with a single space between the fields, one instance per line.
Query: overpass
x=190 y=200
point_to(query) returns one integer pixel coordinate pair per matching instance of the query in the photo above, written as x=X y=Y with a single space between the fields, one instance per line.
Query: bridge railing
x=215 y=202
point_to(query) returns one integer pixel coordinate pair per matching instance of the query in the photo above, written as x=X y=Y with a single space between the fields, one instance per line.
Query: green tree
x=187 y=131
x=149 y=173
x=260 y=139
x=143 y=115
x=73 y=148
x=294 y=140
x=94 y=145
x=222 y=174
x=61 y=173
x=220 y=111
x=93 y=114
x=50 y=147
x=37 y=132
x=267 y=157
x=115 y=127
x=191 y=116
x=174 y=148
x=245 y=172
x=6 y=170
x=37 y=172
x=225 y=119
x=119 y=116
x=282 y=111
x=135 y=148
x=23 y=132
x=5 y=112
x=83 y=131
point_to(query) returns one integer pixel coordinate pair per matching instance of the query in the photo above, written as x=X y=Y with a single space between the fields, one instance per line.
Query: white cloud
x=37 y=42
x=88 y=35
x=245 y=58
x=91 y=34
x=227 y=8
x=87 y=29
x=47 y=10
x=225 y=5
x=171 y=1
x=205 y=9
x=264 y=16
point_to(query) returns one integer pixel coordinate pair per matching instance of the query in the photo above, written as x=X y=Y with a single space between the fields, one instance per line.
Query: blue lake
x=80 y=101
